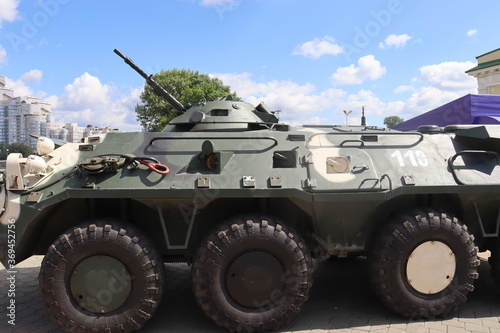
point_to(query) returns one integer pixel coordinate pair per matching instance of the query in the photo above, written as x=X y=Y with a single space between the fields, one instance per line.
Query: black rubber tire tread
x=494 y=261
x=104 y=237
x=389 y=254
x=233 y=237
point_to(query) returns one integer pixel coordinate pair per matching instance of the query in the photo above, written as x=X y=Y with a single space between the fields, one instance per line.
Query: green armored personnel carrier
x=251 y=204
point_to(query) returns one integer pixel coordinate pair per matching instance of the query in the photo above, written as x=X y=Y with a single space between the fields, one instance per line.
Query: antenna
x=347 y=113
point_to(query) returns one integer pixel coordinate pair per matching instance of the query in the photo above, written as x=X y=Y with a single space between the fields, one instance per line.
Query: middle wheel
x=252 y=274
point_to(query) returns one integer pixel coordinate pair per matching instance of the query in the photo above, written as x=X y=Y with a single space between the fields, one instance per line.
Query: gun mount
x=158 y=89
x=222 y=115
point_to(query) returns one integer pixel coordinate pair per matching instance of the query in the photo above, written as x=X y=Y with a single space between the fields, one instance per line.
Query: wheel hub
x=255 y=279
x=431 y=267
x=100 y=284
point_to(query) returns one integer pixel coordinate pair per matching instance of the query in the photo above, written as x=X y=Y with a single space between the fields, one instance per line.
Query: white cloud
x=472 y=32
x=33 y=76
x=318 y=47
x=210 y=3
x=88 y=101
x=85 y=101
x=3 y=55
x=221 y=6
x=373 y=105
x=246 y=87
x=303 y=104
x=21 y=87
x=402 y=89
x=450 y=76
x=8 y=10
x=426 y=99
x=298 y=102
x=396 y=41
x=87 y=91
x=368 y=68
x=443 y=83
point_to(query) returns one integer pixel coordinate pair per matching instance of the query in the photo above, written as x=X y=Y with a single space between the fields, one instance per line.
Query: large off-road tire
x=102 y=276
x=494 y=262
x=252 y=274
x=423 y=265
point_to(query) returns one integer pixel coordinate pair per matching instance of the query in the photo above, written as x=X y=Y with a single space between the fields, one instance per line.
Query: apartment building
x=24 y=116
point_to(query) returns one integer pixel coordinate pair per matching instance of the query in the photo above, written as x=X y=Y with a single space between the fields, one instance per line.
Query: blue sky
x=312 y=59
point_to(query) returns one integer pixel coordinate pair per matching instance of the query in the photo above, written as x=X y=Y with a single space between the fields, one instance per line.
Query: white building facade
x=24 y=115
x=487 y=73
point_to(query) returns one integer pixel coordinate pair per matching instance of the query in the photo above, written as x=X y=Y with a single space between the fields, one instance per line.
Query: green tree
x=15 y=147
x=392 y=121
x=187 y=86
x=18 y=147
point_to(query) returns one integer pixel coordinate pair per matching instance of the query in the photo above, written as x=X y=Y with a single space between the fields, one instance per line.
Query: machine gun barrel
x=158 y=89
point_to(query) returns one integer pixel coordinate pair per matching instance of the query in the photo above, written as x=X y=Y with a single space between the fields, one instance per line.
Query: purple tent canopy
x=469 y=109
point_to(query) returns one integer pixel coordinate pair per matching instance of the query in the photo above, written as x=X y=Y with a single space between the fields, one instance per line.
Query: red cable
x=156 y=167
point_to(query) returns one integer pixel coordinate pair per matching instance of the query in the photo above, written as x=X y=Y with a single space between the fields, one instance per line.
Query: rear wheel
x=252 y=274
x=103 y=276
x=424 y=264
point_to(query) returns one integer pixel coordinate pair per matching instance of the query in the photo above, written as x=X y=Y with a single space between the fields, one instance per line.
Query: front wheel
x=423 y=265
x=103 y=276
x=252 y=274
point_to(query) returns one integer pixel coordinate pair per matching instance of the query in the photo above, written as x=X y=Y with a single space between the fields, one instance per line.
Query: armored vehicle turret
x=251 y=204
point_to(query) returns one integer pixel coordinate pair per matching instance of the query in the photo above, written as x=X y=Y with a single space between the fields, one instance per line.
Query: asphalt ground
x=340 y=301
